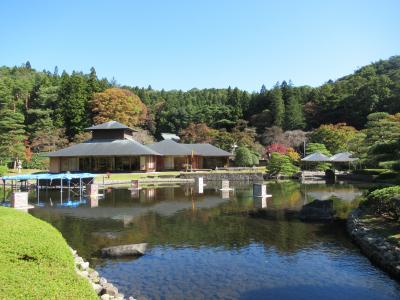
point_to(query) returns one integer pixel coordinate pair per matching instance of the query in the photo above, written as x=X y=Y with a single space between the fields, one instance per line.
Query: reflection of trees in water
x=285 y=194
x=228 y=225
x=79 y=232
x=5 y=194
x=344 y=208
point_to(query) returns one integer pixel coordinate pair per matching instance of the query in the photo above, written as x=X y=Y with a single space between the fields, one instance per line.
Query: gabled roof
x=343 y=157
x=104 y=148
x=316 y=157
x=108 y=125
x=207 y=150
x=172 y=148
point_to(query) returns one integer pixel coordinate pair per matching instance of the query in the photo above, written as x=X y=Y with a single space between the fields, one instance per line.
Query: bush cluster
x=384 y=201
x=37 y=162
x=3 y=170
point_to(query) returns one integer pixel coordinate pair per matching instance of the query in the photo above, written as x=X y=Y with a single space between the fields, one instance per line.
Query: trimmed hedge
x=384 y=201
x=3 y=170
x=36 y=262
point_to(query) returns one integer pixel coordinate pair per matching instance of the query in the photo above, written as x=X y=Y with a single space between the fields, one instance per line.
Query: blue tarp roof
x=49 y=176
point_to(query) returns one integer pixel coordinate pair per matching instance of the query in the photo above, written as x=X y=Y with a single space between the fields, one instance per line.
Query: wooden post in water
x=199 y=185
x=225 y=185
x=259 y=190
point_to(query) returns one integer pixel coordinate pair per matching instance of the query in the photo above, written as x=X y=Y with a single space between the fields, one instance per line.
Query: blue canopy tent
x=48 y=178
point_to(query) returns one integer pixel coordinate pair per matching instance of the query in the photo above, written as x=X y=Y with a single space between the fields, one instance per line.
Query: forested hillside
x=41 y=111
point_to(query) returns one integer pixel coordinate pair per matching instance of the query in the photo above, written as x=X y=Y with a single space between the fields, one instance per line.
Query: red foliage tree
x=276 y=148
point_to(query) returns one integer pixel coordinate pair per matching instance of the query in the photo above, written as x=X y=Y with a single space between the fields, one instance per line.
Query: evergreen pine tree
x=74 y=97
x=278 y=106
x=294 y=114
x=12 y=136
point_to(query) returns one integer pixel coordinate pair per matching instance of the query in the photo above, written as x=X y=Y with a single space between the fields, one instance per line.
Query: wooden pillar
x=69 y=189
x=4 y=187
x=61 y=190
x=80 y=188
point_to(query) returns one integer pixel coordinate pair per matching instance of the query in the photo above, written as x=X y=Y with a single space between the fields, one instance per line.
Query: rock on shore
x=124 y=250
x=380 y=251
x=318 y=210
x=104 y=289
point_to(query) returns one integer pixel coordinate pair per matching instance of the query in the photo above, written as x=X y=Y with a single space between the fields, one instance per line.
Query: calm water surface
x=209 y=246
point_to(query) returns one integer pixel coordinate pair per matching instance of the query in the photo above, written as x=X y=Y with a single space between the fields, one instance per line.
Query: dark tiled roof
x=169 y=147
x=207 y=150
x=105 y=148
x=108 y=125
x=343 y=157
x=316 y=157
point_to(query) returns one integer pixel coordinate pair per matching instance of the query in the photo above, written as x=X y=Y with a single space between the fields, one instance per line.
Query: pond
x=209 y=245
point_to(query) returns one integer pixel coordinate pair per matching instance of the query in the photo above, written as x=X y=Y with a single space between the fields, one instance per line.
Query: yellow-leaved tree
x=119 y=105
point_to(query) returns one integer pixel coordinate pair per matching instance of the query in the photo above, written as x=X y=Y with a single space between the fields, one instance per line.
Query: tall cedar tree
x=73 y=96
x=294 y=114
x=278 y=106
x=12 y=136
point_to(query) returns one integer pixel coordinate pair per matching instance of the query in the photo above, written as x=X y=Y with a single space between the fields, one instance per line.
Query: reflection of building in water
x=260 y=202
x=134 y=193
x=93 y=201
x=167 y=193
x=225 y=194
x=148 y=195
x=188 y=190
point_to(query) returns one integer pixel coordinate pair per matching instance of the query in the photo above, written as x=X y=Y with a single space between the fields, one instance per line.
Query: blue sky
x=186 y=44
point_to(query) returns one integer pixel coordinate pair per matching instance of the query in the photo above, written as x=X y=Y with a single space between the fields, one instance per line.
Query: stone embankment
x=380 y=251
x=104 y=289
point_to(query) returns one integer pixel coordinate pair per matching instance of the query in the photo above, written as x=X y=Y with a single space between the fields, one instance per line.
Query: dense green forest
x=42 y=111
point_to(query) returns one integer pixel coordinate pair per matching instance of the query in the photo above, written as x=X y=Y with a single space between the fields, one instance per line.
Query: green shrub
x=255 y=158
x=37 y=162
x=382 y=201
x=3 y=170
x=243 y=157
x=384 y=194
x=387 y=164
x=281 y=164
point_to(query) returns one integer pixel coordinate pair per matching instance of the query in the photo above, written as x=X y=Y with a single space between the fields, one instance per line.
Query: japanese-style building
x=176 y=156
x=113 y=149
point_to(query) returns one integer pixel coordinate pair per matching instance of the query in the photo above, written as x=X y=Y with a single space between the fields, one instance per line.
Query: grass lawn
x=35 y=261
x=12 y=172
x=134 y=176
